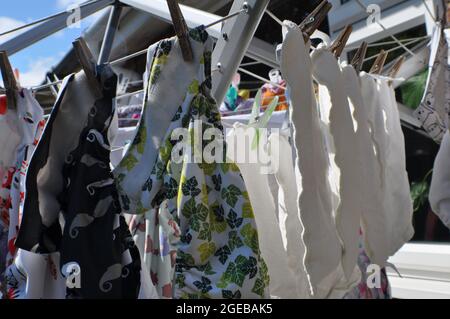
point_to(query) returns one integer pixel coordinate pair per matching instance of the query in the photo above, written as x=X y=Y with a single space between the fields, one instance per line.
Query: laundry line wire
x=376 y=44
x=246 y=111
x=129 y=94
x=47 y=85
x=142 y=52
x=227 y=17
x=359 y=2
x=24 y=26
x=392 y=50
x=274 y=17
x=43 y=19
x=256 y=76
x=250 y=63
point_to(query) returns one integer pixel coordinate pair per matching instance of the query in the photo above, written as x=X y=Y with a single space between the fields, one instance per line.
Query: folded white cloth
x=398 y=192
x=440 y=184
x=254 y=167
x=323 y=249
x=393 y=225
x=367 y=166
x=336 y=113
x=288 y=212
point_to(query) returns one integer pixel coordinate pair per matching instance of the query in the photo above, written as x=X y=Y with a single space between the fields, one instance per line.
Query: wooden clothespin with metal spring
x=396 y=68
x=315 y=19
x=378 y=65
x=88 y=64
x=181 y=30
x=358 y=59
x=339 y=44
x=9 y=80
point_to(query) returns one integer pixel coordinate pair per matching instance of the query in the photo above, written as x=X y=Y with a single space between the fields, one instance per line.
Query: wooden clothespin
x=181 y=30
x=339 y=44
x=358 y=59
x=378 y=65
x=88 y=64
x=395 y=68
x=9 y=80
x=315 y=19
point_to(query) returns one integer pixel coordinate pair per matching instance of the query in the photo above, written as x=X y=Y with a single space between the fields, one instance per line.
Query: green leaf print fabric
x=193 y=220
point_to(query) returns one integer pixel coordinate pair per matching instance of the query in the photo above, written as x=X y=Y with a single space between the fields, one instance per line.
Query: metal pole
x=234 y=42
x=110 y=32
x=258 y=50
x=50 y=27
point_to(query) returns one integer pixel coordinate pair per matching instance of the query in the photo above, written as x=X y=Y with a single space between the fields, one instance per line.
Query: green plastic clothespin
x=256 y=122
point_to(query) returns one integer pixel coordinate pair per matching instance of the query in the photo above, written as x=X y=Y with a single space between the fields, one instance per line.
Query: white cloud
x=7 y=24
x=65 y=4
x=36 y=71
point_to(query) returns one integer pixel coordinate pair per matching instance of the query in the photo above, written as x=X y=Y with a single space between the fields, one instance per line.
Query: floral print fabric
x=433 y=112
x=9 y=141
x=19 y=127
x=195 y=222
x=31 y=126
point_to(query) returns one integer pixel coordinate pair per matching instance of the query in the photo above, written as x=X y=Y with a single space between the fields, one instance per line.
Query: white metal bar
x=111 y=28
x=136 y=54
x=393 y=49
x=52 y=87
x=49 y=27
x=256 y=76
x=47 y=85
x=231 y=15
x=376 y=44
x=129 y=57
x=25 y=26
x=129 y=94
x=263 y=52
x=193 y=17
x=429 y=10
x=274 y=17
x=258 y=50
x=231 y=47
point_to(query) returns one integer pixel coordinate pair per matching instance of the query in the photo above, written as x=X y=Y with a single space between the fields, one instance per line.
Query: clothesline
x=411 y=41
x=142 y=52
x=129 y=94
x=274 y=17
x=43 y=19
x=250 y=63
x=359 y=2
x=304 y=156
x=245 y=9
x=256 y=76
x=246 y=111
x=136 y=54
x=429 y=10
x=232 y=15
x=376 y=44
x=44 y=86
x=391 y=50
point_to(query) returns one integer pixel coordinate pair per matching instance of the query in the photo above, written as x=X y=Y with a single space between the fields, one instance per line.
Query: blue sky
x=35 y=60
